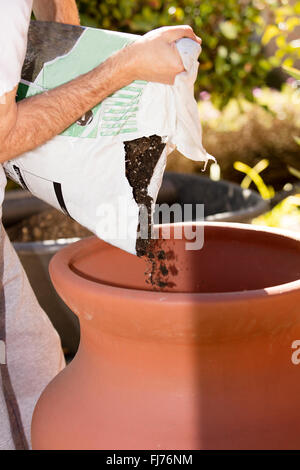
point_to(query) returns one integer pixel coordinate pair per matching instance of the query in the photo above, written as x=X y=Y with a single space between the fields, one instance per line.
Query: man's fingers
x=176 y=32
x=180 y=68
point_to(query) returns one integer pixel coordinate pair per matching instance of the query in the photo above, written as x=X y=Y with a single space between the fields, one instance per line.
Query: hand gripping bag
x=95 y=170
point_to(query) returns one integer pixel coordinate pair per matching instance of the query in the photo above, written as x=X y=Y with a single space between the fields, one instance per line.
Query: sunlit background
x=247 y=88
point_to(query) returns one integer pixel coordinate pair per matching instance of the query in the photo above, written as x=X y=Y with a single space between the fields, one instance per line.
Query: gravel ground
x=48 y=225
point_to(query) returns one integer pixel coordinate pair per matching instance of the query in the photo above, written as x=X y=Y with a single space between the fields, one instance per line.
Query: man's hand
x=61 y=11
x=155 y=58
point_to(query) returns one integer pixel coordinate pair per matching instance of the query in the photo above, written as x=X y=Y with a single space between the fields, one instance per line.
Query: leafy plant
x=285 y=18
x=253 y=175
x=258 y=168
x=292 y=71
x=286 y=214
x=295 y=73
x=231 y=63
x=293 y=170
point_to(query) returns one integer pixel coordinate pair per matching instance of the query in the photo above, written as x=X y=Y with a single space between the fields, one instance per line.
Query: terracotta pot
x=205 y=365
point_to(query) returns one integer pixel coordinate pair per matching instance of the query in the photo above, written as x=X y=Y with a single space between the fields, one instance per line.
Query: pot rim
x=63 y=259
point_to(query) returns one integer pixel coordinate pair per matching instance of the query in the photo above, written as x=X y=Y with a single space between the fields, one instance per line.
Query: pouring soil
x=141 y=157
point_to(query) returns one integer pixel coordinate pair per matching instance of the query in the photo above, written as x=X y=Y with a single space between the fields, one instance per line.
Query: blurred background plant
x=244 y=45
x=281 y=34
x=250 y=132
x=232 y=62
x=247 y=87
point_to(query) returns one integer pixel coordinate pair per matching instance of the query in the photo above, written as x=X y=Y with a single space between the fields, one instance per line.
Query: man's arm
x=35 y=120
x=61 y=11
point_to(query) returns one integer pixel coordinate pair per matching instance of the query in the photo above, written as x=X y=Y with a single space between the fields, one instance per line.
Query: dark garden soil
x=47 y=225
x=141 y=157
x=162 y=269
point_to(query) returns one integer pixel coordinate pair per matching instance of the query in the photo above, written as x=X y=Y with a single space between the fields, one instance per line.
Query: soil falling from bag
x=162 y=269
x=141 y=157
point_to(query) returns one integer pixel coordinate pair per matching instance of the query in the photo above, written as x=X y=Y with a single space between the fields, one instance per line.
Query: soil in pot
x=47 y=225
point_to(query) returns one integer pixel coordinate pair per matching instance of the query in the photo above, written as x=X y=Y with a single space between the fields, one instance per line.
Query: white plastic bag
x=82 y=171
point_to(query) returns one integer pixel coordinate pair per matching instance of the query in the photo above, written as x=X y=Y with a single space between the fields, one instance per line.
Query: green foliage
x=293 y=170
x=231 y=63
x=252 y=174
x=285 y=215
x=292 y=71
x=252 y=133
x=285 y=18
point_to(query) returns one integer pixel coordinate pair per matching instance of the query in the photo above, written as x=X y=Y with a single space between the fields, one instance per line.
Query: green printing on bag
x=118 y=113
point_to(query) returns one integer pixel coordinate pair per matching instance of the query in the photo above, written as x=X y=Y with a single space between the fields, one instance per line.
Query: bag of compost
x=109 y=164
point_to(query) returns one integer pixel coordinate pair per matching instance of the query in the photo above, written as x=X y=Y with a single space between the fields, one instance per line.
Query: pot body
x=178 y=370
